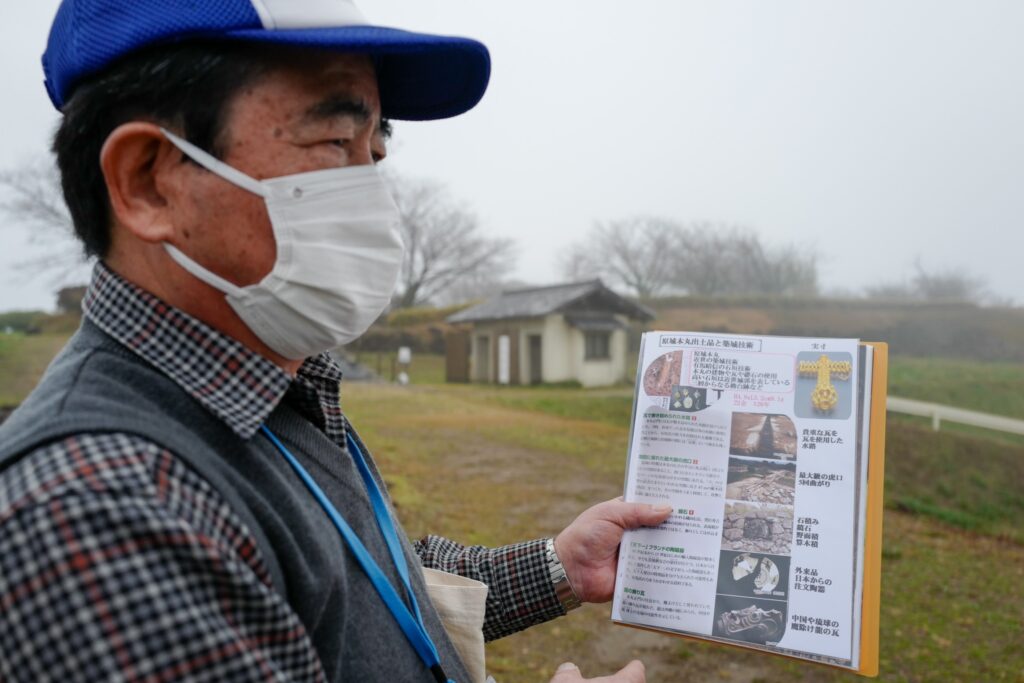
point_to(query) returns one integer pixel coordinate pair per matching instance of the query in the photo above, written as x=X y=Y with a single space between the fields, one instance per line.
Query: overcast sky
x=876 y=132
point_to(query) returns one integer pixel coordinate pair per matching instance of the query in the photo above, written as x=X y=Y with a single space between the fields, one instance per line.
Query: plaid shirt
x=119 y=562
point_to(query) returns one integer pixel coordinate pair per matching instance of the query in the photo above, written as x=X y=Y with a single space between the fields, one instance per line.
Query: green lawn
x=426 y=368
x=996 y=388
x=22 y=362
x=987 y=387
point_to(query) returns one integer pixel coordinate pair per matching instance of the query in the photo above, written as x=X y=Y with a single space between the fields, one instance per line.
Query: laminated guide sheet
x=770 y=451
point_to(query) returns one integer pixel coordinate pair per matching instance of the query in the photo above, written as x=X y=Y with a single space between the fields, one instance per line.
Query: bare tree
x=443 y=244
x=949 y=286
x=713 y=259
x=653 y=255
x=891 y=291
x=635 y=253
x=31 y=199
x=477 y=288
x=705 y=264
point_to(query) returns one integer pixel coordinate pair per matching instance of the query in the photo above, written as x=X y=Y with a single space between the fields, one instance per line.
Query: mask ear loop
x=208 y=276
x=216 y=166
x=228 y=173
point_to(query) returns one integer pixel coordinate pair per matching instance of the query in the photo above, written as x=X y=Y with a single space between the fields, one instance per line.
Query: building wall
x=563 y=348
x=481 y=371
x=488 y=372
x=559 y=365
x=527 y=329
x=605 y=371
x=457 y=358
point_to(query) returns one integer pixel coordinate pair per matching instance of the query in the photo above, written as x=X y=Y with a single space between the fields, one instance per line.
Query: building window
x=598 y=345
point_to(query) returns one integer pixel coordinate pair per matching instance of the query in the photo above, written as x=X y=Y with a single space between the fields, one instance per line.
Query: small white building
x=573 y=332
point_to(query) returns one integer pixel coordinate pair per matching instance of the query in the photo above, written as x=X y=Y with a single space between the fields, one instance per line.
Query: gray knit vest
x=96 y=385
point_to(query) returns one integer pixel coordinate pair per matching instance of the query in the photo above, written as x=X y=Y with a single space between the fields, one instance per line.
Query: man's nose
x=360 y=154
x=360 y=151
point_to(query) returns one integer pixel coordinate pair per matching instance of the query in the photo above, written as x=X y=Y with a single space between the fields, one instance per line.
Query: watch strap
x=559 y=580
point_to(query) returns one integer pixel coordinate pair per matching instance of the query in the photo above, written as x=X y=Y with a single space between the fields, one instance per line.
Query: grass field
x=996 y=388
x=987 y=387
x=465 y=463
x=22 y=361
x=425 y=368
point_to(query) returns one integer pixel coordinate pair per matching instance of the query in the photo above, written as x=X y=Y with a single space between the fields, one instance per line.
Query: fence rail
x=938 y=413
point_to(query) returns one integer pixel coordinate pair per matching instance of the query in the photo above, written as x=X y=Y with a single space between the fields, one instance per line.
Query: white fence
x=938 y=413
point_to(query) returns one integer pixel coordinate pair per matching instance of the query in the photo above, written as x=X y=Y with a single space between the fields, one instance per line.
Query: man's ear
x=143 y=170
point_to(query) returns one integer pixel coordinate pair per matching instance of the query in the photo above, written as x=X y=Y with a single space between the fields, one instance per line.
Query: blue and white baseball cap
x=420 y=76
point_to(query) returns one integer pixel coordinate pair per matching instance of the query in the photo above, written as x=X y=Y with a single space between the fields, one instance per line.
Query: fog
x=880 y=134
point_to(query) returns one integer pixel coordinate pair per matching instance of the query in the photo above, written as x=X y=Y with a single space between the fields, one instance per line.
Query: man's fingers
x=634 y=672
x=631 y=673
x=568 y=673
x=633 y=515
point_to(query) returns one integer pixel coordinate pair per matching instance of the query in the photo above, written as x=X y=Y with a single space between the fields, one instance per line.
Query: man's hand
x=589 y=547
x=631 y=673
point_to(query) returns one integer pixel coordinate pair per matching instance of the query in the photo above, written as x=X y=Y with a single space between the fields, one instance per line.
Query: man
x=182 y=497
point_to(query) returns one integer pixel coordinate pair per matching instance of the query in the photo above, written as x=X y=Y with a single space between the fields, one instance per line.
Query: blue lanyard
x=412 y=626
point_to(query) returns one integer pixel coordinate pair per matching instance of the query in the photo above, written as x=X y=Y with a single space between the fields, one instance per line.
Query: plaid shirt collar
x=234 y=383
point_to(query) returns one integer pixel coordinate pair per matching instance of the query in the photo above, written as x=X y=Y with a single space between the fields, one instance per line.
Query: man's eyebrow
x=337 y=106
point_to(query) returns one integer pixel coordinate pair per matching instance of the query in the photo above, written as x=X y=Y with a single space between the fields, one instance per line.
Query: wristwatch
x=563 y=589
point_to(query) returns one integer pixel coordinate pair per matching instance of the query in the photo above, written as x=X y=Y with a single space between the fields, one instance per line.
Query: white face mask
x=339 y=252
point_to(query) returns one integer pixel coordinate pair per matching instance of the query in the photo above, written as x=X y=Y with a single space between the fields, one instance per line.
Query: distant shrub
x=26 y=322
x=406 y=317
x=38 y=322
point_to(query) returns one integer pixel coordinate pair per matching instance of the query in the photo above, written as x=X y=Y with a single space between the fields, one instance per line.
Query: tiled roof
x=539 y=301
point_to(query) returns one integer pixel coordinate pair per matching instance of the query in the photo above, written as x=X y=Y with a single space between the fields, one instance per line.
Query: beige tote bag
x=461 y=604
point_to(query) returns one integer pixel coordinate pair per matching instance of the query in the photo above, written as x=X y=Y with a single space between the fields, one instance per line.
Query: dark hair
x=187 y=86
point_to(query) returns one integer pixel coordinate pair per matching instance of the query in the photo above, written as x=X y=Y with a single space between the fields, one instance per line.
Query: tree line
x=450 y=260
x=649 y=256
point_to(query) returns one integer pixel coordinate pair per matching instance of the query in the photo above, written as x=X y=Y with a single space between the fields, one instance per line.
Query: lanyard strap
x=413 y=628
x=384 y=522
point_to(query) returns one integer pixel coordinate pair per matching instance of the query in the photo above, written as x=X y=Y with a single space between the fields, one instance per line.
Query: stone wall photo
x=761 y=481
x=758 y=528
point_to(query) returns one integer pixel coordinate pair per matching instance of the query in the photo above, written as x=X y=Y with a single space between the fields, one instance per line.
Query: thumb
x=634 y=672
x=633 y=515
x=567 y=673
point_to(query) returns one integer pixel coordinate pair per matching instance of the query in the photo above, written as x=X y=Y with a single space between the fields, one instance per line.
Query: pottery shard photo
x=752 y=621
x=688 y=399
x=763 y=436
x=753 y=575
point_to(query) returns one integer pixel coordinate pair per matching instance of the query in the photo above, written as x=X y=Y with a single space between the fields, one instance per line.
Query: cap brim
x=420 y=76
